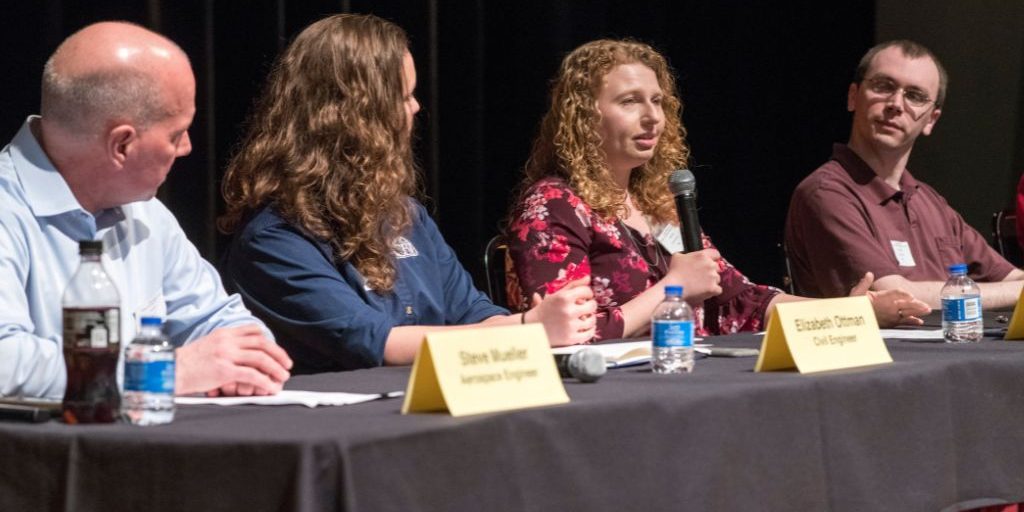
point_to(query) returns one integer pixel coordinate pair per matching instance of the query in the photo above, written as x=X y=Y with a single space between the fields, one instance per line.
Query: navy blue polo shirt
x=323 y=314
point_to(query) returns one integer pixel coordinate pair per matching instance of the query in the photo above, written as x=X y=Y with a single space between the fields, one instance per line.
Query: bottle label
x=964 y=309
x=672 y=333
x=91 y=327
x=149 y=376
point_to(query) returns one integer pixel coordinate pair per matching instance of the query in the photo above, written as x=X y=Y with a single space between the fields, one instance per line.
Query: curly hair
x=569 y=145
x=328 y=144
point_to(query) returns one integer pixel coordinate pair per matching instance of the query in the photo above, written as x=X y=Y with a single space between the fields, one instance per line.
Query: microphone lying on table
x=586 y=364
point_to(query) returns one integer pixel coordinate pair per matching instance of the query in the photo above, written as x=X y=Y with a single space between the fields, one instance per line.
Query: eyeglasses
x=887 y=87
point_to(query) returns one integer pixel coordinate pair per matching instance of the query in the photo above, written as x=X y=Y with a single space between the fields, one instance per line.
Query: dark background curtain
x=763 y=85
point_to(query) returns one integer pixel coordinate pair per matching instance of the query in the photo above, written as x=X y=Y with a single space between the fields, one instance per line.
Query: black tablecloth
x=940 y=426
x=992 y=318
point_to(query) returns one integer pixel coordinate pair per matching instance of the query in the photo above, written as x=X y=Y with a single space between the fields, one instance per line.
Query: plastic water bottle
x=92 y=340
x=672 y=334
x=961 y=307
x=149 y=376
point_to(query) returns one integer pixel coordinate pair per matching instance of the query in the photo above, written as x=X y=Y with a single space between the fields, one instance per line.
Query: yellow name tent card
x=1015 y=331
x=820 y=335
x=473 y=371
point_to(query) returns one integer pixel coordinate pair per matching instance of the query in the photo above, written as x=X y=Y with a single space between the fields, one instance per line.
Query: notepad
x=619 y=355
x=912 y=334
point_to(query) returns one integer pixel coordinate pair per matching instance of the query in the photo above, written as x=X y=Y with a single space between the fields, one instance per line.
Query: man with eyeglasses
x=862 y=211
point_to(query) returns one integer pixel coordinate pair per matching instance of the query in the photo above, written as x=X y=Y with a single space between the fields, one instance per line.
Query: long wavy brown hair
x=569 y=144
x=328 y=144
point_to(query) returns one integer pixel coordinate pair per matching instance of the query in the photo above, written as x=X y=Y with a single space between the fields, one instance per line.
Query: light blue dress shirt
x=158 y=272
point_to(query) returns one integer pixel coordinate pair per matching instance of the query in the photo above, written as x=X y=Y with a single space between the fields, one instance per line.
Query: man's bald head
x=108 y=73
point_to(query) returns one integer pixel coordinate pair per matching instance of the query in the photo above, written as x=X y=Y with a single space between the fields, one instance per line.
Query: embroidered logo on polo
x=403 y=248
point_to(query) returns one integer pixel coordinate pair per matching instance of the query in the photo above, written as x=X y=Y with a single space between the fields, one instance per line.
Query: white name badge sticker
x=669 y=237
x=901 y=250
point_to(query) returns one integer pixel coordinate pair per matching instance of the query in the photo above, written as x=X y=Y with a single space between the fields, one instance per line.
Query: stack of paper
x=617 y=355
x=289 y=397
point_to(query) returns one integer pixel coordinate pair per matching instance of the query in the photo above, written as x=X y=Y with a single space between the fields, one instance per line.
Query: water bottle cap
x=958 y=268
x=151 y=321
x=673 y=291
x=91 y=247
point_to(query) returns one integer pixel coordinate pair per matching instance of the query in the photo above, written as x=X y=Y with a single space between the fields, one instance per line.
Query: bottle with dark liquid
x=92 y=341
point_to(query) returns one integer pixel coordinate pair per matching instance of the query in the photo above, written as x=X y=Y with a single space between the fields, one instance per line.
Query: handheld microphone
x=683 y=186
x=586 y=364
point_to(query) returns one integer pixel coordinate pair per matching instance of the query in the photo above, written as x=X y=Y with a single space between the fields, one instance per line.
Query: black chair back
x=1004 y=236
x=494 y=267
x=789 y=286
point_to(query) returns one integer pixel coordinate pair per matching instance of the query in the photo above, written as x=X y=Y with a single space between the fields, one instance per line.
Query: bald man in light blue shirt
x=117 y=103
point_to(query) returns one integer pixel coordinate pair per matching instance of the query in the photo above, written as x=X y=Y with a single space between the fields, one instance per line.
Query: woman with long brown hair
x=595 y=203
x=331 y=249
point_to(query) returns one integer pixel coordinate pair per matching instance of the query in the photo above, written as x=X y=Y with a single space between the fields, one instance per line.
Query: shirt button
x=408 y=310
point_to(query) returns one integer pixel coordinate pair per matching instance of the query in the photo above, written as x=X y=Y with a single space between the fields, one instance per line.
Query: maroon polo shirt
x=844 y=221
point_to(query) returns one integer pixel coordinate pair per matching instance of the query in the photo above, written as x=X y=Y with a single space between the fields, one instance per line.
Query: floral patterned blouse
x=555 y=238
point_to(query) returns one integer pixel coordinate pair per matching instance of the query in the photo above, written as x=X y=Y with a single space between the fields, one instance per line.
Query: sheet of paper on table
x=911 y=334
x=627 y=353
x=289 y=397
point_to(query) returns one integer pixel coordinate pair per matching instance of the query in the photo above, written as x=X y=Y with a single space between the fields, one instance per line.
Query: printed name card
x=1015 y=331
x=474 y=371
x=820 y=335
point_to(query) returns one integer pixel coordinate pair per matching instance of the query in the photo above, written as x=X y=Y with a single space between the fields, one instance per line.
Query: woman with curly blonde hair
x=331 y=249
x=595 y=203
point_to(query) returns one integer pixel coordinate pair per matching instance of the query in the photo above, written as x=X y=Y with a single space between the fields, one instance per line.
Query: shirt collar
x=862 y=174
x=47 y=192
